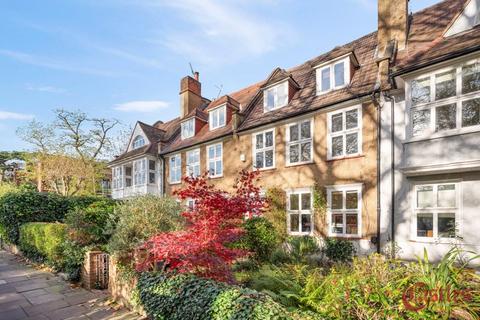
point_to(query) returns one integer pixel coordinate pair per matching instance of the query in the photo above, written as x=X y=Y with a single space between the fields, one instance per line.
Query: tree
x=213 y=224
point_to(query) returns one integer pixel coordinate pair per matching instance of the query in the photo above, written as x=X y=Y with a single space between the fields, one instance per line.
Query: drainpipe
x=379 y=144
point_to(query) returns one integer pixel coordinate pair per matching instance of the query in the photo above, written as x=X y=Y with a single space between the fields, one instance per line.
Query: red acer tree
x=214 y=223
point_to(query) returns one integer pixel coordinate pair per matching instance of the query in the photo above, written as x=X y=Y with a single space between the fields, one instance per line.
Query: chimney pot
x=196 y=75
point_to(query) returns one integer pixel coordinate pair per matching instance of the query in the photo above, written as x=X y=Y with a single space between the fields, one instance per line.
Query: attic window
x=138 y=142
x=468 y=19
x=188 y=128
x=275 y=97
x=217 y=117
x=333 y=76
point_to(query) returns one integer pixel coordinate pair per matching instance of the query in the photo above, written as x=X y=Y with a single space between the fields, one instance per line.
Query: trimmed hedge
x=44 y=242
x=260 y=237
x=186 y=296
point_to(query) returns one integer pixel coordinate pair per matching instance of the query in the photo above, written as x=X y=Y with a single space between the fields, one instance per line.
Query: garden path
x=26 y=293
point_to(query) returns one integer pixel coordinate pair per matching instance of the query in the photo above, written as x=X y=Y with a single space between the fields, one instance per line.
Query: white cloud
x=49 y=89
x=142 y=106
x=6 y=115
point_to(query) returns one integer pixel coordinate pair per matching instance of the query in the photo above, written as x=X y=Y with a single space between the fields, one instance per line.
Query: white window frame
x=136 y=140
x=264 y=149
x=154 y=171
x=215 y=114
x=173 y=170
x=300 y=212
x=331 y=67
x=190 y=167
x=185 y=128
x=344 y=132
x=288 y=143
x=435 y=211
x=358 y=187
x=215 y=159
x=274 y=88
x=139 y=171
x=190 y=203
x=432 y=105
x=117 y=177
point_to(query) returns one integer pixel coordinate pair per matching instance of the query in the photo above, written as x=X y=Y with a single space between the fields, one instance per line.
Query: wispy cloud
x=52 y=63
x=49 y=89
x=6 y=115
x=141 y=106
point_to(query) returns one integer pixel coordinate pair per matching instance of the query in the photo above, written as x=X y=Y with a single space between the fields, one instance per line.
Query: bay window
x=299 y=142
x=217 y=117
x=344 y=210
x=275 y=97
x=193 y=163
x=139 y=171
x=264 y=149
x=117 y=175
x=299 y=209
x=215 y=160
x=175 y=165
x=152 y=171
x=344 y=133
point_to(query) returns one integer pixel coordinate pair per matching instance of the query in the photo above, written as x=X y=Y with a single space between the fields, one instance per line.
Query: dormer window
x=333 y=76
x=138 y=142
x=217 y=117
x=188 y=128
x=275 y=97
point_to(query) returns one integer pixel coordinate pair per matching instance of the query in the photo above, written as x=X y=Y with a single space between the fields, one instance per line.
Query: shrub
x=73 y=257
x=139 y=219
x=43 y=241
x=260 y=237
x=186 y=296
x=296 y=250
x=276 y=212
x=339 y=250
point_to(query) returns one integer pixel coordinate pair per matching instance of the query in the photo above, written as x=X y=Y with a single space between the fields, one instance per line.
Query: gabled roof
x=226 y=99
x=197 y=113
x=277 y=75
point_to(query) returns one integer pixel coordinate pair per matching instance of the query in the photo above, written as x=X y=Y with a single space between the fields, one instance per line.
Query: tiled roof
x=198 y=113
x=223 y=99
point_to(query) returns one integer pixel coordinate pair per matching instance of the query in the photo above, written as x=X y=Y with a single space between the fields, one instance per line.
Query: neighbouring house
x=327 y=122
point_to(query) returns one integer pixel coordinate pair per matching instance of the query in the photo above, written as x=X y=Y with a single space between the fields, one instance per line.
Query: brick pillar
x=91 y=279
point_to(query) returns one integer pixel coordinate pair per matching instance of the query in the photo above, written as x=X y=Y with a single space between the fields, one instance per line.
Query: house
x=327 y=123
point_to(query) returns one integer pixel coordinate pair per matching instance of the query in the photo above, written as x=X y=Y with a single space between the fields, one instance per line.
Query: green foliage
x=296 y=250
x=260 y=237
x=339 y=250
x=6 y=187
x=73 y=256
x=319 y=201
x=276 y=211
x=141 y=218
x=188 y=297
x=43 y=241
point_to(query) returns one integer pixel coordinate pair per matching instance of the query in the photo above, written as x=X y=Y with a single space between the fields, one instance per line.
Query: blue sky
x=124 y=59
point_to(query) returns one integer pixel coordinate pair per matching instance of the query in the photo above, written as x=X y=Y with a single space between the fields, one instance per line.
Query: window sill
x=264 y=169
x=447 y=241
x=298 y=164
x=174 y=183
x=346 y=236
x=215 y=177
x=445 y=134
x=355 y=156
x=321 y=93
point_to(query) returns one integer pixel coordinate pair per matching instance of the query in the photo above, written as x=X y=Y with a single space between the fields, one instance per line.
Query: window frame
x=137 y=138
x=331 y=67
x=264 y=149
x=182 y=131
x=154 y=171
x=178 y=166
x=345 y=132
x=300 y=212
x=433 y=103
x=358 y=187
x=288 y=143
x=275 y=88
x=142 y=172
x=215 y=112
x=215 y=159
x=435 y=211
x=195 y=164
x=117 y=177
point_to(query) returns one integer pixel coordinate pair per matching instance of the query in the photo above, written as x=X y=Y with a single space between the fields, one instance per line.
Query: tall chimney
x=190 y=94
x=392 y=23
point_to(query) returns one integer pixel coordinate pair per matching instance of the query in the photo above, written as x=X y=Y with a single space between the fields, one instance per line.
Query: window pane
x=294 y=201
x=282 y=92
x=420 y=91
x=269 y=158
x=420 y=121
x=352 y=200
x=151 y=177
x=306 y=223
x=211 y=167
x=294 y=132
x=425 y=225
x=305 y=130
x=294 y=222
x=211 y=152
x=151 y=164
x=337 y=223
x=306 y=201
x=259 y=141
x=221 y=117
x=306 y=154
x=218 y=168
x=270 y=99
x=425 y=197
x=218 y=150
x=337 y=200
x=294 y=153
x=325 y=79
x=337 y=122
x=446 y=196
x=352 y=143
x=339 y=71
x=337 y=146
x=471 y=113
x=352 y=224
x=259 y=160
x=352 y=119
x=471 y=78
x=446 y=225
x=269 y=139
x=445 y=84
x=446 y=118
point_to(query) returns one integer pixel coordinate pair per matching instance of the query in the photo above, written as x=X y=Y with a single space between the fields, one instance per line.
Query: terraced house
x=387 y=126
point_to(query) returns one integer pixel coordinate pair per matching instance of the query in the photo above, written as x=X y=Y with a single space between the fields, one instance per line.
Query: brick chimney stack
x=190 y=94
x=392 y=23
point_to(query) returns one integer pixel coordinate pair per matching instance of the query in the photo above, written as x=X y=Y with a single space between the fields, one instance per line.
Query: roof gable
x=466 y=20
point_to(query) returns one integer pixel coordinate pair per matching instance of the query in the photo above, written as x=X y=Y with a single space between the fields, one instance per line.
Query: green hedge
x=188 y=297
x=17 y=208
x=44 y=241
